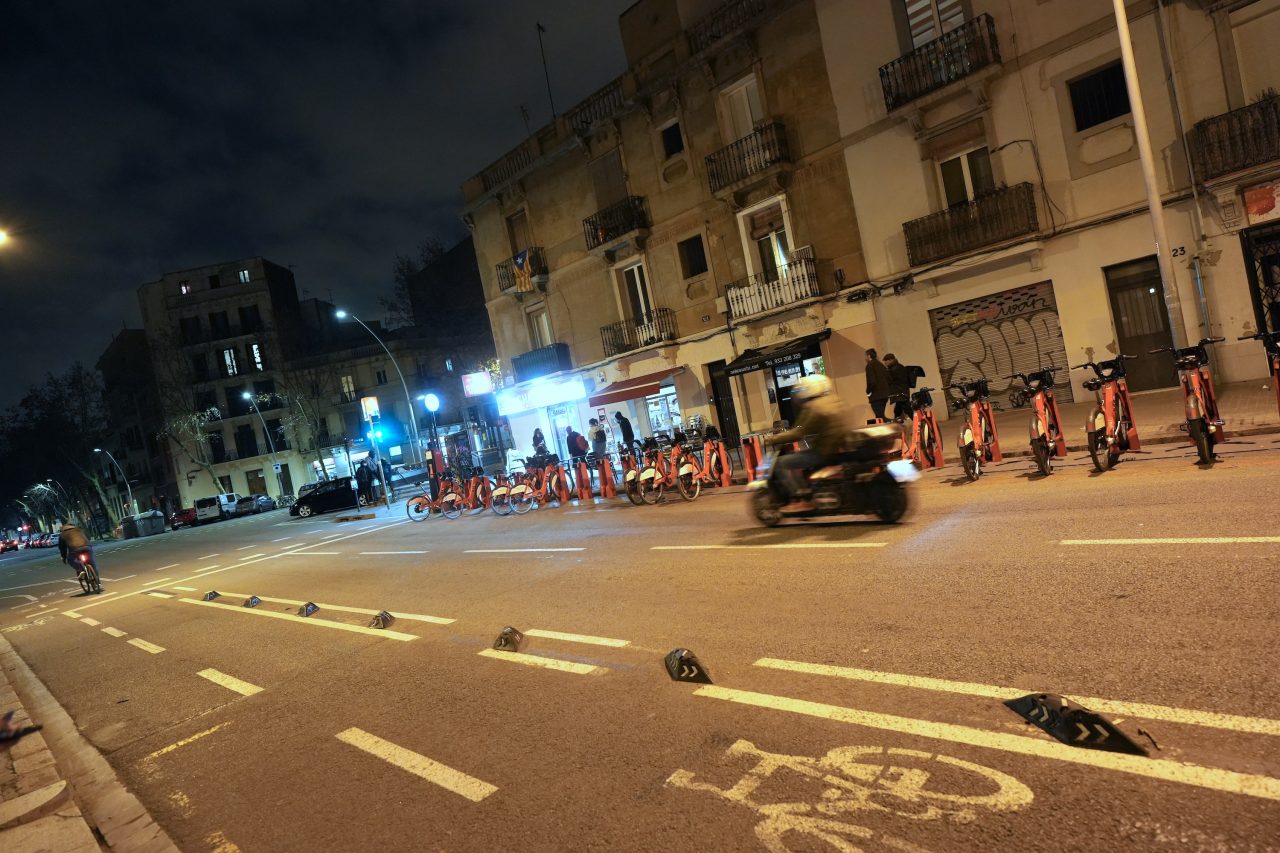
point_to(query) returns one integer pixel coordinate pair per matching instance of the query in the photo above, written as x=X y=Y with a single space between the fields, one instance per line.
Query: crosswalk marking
x=434 y=772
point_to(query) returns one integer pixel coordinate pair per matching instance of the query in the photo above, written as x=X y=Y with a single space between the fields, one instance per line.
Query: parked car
x=266 y=503
x=8 y=545
x=339 y=493
x=305 y=488
x=216 y=507
x=250 y=504
x=183 y=518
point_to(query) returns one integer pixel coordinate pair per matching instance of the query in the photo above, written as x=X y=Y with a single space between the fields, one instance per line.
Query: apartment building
x=992 y=160
x=217 y=333
x=678 y=243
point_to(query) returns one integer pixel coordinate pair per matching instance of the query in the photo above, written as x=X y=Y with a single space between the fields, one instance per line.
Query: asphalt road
x=859 y=671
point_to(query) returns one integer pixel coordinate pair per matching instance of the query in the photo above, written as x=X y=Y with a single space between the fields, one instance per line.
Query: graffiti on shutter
x=1014 y=331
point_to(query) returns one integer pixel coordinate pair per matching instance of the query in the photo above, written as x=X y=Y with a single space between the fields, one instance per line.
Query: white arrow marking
x=1084 y=731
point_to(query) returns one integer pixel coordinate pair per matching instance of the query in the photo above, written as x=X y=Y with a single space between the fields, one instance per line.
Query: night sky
x=138 y=138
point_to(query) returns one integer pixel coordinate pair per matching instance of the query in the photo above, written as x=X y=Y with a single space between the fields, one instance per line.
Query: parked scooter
x=1271 y=342
x=977 y=440
x=1204 y=425
x=1110 y=428
x=865 y=480
x=1047 y=439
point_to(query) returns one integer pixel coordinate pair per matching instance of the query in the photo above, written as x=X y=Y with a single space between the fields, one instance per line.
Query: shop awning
x=773 y=355
x=632 y=388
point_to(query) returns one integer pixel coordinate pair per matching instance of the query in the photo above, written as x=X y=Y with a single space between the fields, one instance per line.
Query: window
x=381 y=377
x=189 y=329
x=637 y=302
x=276 y=432
x=184 y=287
x=742 y=108
x=693 y=256
x=929 y=19
x=1099 y=96
x=255 y=352
x=250 y=318
x=448 y=365
x=518 y=232
x=348 y=388
x=229 y=367
x=672 y=140
x=540 y=329
x=244 y=276
x=246 y=442
x=214 y=281
x=966 y=176
x=225 y=480
x=219 y=327
x=769 y=233
x=199 y=367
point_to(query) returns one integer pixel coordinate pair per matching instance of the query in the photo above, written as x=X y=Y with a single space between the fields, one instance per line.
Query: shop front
x=773 y=370
x=550 y=404
x=649 y=401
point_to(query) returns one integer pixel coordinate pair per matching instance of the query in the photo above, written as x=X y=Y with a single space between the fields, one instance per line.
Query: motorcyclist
x=821 y=420
x=72 y=542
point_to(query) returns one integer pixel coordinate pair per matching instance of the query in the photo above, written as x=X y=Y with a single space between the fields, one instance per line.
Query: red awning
x=632 y=389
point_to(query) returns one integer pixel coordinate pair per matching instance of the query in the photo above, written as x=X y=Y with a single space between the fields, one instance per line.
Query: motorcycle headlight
x=903 y=471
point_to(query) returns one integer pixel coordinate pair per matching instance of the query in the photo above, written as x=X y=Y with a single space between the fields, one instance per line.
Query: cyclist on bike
x=72 y=543
x=823 y=422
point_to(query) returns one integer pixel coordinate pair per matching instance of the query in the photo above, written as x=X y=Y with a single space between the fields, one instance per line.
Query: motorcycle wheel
x=689 y=486
x=971 y=462
x=1040 y=449
x=1199 y=433
x=891 y=501
x=650 y=488
x=418 y=508
x=764 y=508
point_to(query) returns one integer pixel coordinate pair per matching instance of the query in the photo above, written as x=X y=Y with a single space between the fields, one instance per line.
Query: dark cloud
x=138 y=138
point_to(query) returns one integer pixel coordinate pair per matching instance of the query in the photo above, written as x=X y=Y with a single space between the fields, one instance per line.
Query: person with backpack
x=578 y=446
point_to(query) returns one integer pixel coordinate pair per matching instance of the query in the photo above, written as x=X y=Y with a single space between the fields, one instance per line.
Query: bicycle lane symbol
x=863 y=779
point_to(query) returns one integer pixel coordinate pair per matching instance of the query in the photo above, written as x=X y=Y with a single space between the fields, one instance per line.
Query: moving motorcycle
x=864 y=480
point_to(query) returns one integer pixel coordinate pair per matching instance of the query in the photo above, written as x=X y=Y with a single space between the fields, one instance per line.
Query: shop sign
x=1262 y=202
x=477 y=384
x=540 y=393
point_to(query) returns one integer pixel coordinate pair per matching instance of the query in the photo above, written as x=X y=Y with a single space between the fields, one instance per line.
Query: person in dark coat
x=899 y=383
x=577 y=443
x=878 y=384
x=624 y=426
x=364 y=481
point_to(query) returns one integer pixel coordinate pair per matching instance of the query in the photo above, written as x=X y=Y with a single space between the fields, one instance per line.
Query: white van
x=216 y=507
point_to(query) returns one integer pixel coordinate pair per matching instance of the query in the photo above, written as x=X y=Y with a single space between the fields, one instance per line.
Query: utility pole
x=1177 y=325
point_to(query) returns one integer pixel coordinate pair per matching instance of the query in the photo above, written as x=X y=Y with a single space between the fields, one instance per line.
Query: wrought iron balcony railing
x=968 y=48
x=772 y=289
x=729 y=18
x=764 y=147
x=1000 y=215
x=517 y=274
x=541 y=361
x=645 y=330
x=617 y=219
x=1240 y=139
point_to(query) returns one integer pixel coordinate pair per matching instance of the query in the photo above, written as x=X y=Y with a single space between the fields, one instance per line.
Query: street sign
x=211 y=595
x=683 y=665
x=510 y=640
x=252 y=601
x=1072 y=724
x=307 y=609
x=382 y=620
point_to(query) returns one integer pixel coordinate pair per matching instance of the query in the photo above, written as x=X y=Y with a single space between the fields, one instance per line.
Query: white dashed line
x=145 y=646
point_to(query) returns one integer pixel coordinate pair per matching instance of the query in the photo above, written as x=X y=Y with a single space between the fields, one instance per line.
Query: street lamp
x=432 y=402
x=4 y=237
x=271 y=445
x=132 y=506
x=341 y=315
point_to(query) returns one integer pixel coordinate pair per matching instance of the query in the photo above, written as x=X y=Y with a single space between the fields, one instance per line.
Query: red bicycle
x=541 y=487
x=449 y=502
x=1110 y=428
x=1271 y=341
x=978 y=440
x=1204 y=426
x=1047 y=440
x=921 y=443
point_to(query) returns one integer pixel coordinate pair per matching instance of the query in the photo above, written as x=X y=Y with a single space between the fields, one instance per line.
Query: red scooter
x=1110 y=428
x=1047 y=440
x=1271 y=341
x=1204 y=426
x=977 y=440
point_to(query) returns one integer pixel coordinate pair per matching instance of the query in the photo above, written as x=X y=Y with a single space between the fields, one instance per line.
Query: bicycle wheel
x=501 y=500
x=1040 y=449
x=689 y=485
x=418 y=508
x=720 y=466
x=1199 y=432
x=521 y=498
x=631 y=485
x=1098 y=451
x=85 y=579
x=650 y=486
x=484 y=493
x=927 y=446
x=451 y=505
x=971 y=463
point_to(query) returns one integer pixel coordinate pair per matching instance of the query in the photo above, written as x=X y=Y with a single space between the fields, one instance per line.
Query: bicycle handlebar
x=1204 y=341
x=1088 y=364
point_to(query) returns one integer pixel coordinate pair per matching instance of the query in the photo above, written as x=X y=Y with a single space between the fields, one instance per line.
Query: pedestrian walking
x=624 y=427
x=900 y=377
x=386 y=476
x=878 y=384
x=364 y=481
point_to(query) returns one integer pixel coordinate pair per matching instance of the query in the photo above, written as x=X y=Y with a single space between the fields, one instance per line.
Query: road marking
x=782 y=546
x=145 y=646
x=520 y=550
x=115 y=580
x=253 y=556
x=545 y=663
x=186 y=588
x=170 y=566
x=42 y=583
x=290 y=617
x=577 y=638
x=209 y=556
x=282 y=539
x=332 y=536
x=1177 y=540
x=1211 y=719
x=204 y=569
x=377 y=553
x=115 y=632
x=160 y=594
x=412 y=617
x=92 y=623
x=186 y=740
x=155 y=583
x=245 y=548
x=434 y=772
x=244 y=688
x=1166 y=770
x=310 y=554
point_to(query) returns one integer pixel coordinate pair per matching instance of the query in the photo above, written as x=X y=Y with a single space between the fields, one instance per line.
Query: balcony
x=602 y=104
x=773 y=289
x=1238 y=140
x=1000 y=215
x=647 y=329
x=752 y=156
x=725 y=21
x=524 y=273
x=964 y=51
x=616 y=221
x=542 y=361
x=508 y=166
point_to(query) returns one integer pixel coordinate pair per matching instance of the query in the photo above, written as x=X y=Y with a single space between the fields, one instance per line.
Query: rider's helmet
x=811 y=387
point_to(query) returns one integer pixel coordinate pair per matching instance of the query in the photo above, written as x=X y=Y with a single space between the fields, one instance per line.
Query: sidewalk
x=57 y=793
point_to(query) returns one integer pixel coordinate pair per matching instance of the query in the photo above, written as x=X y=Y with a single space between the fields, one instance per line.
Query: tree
x=399 y=307
x=186 y=416
x=307 y=391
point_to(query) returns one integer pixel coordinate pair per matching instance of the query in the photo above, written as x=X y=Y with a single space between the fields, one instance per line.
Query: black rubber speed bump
x=1073 y=724
x=683 y=665
x=307 y=609
x=509 y=640
x=212 y=594
x=252 y=601
x=383 y=619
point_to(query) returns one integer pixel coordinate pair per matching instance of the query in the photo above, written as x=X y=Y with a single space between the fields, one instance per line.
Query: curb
x=103 y=814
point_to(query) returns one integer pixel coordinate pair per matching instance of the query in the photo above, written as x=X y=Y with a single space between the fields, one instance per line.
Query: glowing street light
x=271 y=445
x=413 y=425
x=4 y=237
